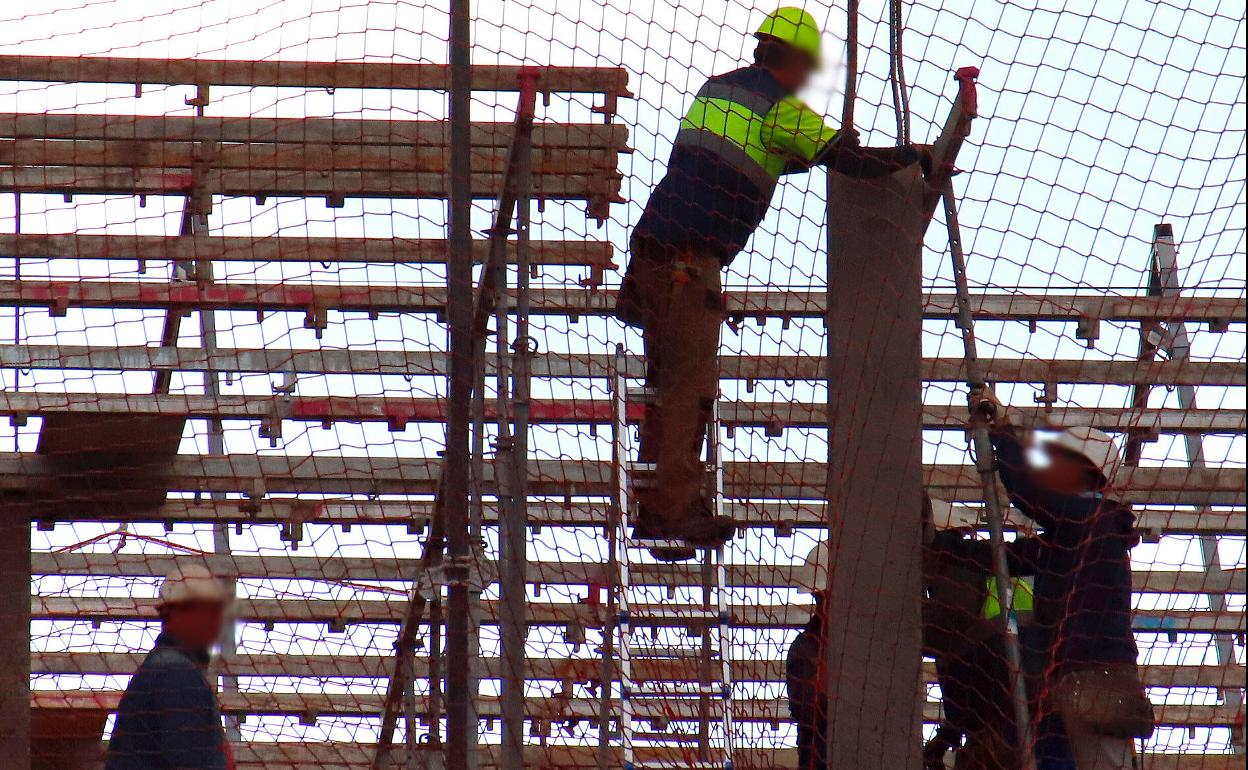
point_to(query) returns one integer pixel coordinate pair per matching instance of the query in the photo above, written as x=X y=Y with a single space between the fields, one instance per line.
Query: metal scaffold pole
x=985 y=464
x=513 y=417
x=461 y=712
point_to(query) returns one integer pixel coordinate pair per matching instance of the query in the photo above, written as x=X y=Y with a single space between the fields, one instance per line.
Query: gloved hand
x=985 y=407
x=847 y=137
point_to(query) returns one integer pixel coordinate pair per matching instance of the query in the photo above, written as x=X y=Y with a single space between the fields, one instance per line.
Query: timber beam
x=555 y=708
x=398 y=412
x=304 y=74
x=575 y=302
x=541 y=573
x=48 y=478
x=334 y=250
x=589 y=365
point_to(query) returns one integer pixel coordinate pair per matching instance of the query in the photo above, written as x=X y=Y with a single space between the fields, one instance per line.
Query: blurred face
x=796 y=71
x=1066 y=472
x=196 y=625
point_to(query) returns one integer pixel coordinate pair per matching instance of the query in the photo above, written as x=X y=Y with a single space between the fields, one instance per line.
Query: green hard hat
x=795 y=27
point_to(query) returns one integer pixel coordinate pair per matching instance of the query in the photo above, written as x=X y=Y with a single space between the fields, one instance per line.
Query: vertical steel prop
x=985 y=464
x=512 y=441
x=461 y=716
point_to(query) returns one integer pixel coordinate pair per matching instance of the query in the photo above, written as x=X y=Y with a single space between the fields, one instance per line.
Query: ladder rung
x=640 y=616
x=649 y=652
x=674 y=736
x=643 y=691
x=649 y=707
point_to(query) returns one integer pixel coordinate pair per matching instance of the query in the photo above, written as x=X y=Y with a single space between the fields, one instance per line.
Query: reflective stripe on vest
x=728 y=121
x=1024 y=596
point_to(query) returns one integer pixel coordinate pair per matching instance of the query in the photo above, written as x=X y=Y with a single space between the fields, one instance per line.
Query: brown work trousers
x=674 y=296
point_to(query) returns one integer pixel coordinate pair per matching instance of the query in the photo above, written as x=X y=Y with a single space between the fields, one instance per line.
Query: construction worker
x=962 y=633
x=743 y=131
x=169 y=718
x=1082 y=607
x=808 y=696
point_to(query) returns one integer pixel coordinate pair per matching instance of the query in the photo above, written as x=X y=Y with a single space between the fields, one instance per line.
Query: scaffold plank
x=415 y=514
x=589 y=365
x=331 y=756
x=768 y=710
x=294 y=755
x=338 y=131
x=303 y=74
x=263 y=183
x=46 y=478
x=373 y=298
x=754 y=617
x=288 y=156
x=557 y=669
x=334 y=250
x=401 y=411
x=332 y=569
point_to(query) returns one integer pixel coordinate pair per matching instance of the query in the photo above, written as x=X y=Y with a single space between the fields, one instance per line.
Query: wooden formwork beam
x=43 y=477
x=398 y=412
x=338 y=615
x=356 y=569
x=558 y=669
x=329 y=756
x=590 y=365
x=334 y=250
x=304 y=156
x=340 y=131
x=574 y=302
x=303 y=74
x=782 y=517
x=557 y=708
x=326 y=755
x=602 y=188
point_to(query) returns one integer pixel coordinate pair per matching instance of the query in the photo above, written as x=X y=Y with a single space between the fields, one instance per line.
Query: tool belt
x=1108 y=699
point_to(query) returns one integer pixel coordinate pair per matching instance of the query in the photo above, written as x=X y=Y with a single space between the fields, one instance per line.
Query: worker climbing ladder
x=670 y=664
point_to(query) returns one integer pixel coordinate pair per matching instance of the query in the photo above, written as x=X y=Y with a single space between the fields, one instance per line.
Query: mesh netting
x=224 y=341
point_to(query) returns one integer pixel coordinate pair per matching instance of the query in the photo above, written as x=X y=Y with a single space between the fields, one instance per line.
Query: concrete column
x=875 y=474
x=15 y=642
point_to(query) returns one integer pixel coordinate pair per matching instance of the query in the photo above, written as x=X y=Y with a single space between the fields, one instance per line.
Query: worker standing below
x=744 y=130
x=1082 y=606
x=962 y=633
x=808 y=695
x=169 y=718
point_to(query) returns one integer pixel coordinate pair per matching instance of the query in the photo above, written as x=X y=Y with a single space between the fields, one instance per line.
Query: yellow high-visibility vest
x=1024 y=596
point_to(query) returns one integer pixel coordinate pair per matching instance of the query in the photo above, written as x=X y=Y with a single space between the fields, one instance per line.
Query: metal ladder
x=682 y=638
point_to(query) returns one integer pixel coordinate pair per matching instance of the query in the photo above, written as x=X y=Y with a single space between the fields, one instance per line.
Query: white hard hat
x=1093 y=445
x=191 y=583
x=817 y=563
x=942 y=512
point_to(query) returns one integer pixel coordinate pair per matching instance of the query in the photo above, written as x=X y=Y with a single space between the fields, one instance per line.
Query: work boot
x=700 y=527
x=649 y=527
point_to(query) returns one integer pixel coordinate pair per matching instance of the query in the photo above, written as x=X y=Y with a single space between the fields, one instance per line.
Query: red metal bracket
x=966 y=90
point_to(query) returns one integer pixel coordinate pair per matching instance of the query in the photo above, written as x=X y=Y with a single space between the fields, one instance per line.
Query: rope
x=897 y=72
x=851 y=64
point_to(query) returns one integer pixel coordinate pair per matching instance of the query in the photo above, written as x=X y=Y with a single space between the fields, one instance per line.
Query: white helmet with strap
x=1095 y=446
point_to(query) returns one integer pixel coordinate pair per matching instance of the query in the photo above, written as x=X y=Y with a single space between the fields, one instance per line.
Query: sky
x=1098 y=121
